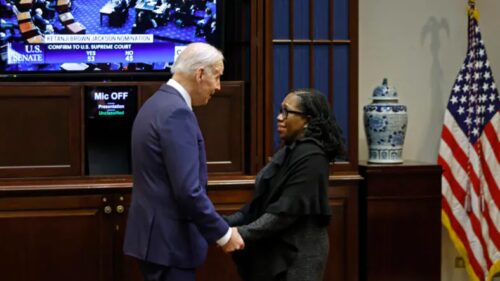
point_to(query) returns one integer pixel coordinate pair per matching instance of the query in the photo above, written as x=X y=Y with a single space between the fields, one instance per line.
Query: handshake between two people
x=235 y=243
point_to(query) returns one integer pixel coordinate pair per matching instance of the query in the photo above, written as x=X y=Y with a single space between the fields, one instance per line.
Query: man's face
x=208 y=81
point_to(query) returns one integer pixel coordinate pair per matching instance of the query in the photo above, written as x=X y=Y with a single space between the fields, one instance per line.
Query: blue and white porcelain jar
x=385 y=125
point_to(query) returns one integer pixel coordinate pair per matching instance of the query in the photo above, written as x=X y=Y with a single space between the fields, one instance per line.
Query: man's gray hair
x=197 y=55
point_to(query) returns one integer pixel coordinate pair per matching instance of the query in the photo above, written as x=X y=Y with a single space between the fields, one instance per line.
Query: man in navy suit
x=171 y=219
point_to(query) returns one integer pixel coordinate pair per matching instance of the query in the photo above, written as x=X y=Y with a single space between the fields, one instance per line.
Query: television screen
x=95 y=36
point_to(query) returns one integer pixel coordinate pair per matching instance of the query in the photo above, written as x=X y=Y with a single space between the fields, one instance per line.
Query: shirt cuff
x=224 y=239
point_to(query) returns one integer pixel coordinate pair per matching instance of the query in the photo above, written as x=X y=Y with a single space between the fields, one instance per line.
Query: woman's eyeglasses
x=284 y=112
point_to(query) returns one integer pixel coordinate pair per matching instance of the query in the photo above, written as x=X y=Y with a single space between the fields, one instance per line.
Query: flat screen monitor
x=101 y=36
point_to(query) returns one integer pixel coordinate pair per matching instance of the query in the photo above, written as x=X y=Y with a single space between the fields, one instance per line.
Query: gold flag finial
x=472 y=10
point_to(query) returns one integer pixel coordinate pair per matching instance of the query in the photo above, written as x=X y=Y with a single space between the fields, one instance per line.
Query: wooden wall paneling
x=222 y=124
x=40 y=130
x=343 y=231
x=259 y=75
x=353 y=86
x=219 y=265
x=54 y=238
x=146 y=90
x=45 y=224
x=342 y=262
x=268 y=67
x=125 y=268
x=337 y=265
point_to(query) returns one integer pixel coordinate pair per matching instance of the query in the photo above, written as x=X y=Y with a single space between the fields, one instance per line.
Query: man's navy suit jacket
x=171 y=219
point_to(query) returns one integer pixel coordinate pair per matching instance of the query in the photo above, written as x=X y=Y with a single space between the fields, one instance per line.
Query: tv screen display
x=101 y=36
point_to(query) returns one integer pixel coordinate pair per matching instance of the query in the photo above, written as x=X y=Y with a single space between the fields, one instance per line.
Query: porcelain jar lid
x=385 y=92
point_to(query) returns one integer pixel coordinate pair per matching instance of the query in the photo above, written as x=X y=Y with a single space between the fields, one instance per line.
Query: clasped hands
x=235 y=242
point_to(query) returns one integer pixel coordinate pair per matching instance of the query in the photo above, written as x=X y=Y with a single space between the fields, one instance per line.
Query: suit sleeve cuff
x=224 y=239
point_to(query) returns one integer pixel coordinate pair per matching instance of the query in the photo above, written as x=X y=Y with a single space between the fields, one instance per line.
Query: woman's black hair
x=322 y=125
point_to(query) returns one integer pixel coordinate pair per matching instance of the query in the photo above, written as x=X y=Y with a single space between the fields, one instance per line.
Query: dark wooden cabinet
x=55 y=238
x=73 y=229
x=400 y=222
x=59 y=222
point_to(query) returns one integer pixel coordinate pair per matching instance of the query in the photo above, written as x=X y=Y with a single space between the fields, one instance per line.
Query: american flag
x=470 y=157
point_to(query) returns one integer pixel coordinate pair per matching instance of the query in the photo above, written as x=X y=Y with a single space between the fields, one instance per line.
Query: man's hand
x=235 y=242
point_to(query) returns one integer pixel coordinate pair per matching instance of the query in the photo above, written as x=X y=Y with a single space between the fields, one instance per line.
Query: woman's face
x=291 y=120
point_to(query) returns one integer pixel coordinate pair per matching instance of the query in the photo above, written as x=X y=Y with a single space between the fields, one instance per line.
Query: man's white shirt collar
x=180 y=89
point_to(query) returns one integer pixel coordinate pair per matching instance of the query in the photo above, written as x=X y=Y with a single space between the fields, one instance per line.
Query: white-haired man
x=171 y=220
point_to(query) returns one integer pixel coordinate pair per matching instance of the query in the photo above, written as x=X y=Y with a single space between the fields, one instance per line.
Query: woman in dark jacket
x=284 y=226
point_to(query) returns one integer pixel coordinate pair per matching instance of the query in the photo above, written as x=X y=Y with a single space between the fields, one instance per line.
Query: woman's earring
x=305 y=126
